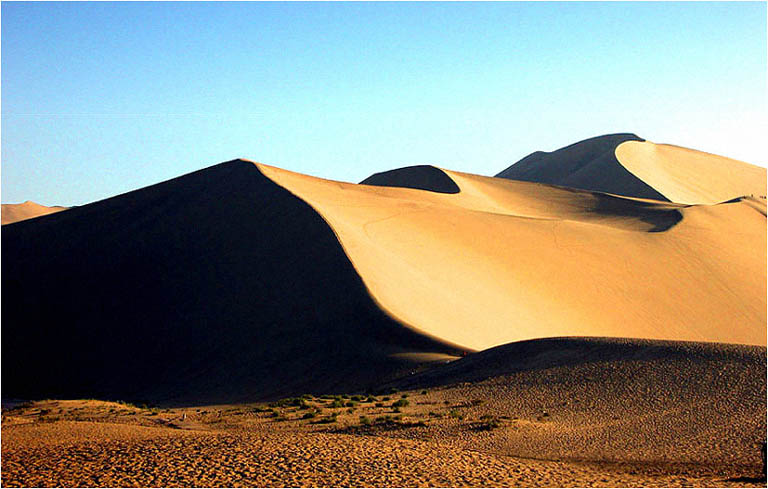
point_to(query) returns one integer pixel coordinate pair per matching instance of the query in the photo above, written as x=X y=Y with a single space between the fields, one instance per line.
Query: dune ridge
x=26 y=210
x=215 y=285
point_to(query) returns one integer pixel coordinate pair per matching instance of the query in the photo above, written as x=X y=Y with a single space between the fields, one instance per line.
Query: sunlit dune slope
x=26 y=210
x=503 y=261
x=215 y=286
x=689 y=176
x=625 y=164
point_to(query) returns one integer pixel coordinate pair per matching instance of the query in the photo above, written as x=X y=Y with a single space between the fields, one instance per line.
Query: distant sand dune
x=27 y=210
x=691 y=177
x=627 y=165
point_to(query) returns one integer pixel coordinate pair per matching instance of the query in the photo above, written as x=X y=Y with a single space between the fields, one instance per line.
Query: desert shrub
x=358 y=398
x=365 y=421
x=351 y=410
x=454 y=413
x=371 y=399
x=400 y=403
x=274 y=413
x=379 y=404
x=385 y=398
x=435 y=415
x=423 y=393
x=337 y=403
x=396 y=410
x=309 y=415
x=350 y=404
x=326 y=420
x=488 y=423
x=404 y=396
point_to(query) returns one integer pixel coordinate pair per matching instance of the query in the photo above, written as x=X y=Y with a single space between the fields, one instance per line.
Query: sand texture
x=562 y=412
x=27 y=210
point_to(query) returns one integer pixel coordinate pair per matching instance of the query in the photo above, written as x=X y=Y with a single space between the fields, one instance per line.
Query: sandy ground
x=557 y=412
x=242 y=448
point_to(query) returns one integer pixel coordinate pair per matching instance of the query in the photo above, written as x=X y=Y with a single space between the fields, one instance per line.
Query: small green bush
x=400 y=403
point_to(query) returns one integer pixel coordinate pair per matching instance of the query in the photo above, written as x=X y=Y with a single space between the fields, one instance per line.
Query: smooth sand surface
x=27 y=210
x=504 y=261
x=689 y=176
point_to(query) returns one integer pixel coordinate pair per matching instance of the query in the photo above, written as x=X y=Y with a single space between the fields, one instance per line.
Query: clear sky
x=103 y=98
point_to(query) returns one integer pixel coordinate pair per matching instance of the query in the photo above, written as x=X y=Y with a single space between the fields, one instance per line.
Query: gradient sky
x=103 y=98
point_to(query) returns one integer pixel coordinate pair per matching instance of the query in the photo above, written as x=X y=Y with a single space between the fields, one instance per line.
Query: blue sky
x=103 y=98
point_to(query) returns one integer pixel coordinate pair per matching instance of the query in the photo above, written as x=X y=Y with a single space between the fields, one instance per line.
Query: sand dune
x=244 y=281
x=692 y=177
x=215 y=285
x=26 y=210
x=625 y=164
x=504 y=261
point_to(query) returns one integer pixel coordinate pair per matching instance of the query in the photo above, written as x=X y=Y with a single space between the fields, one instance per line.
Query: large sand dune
x=215 y=285
x=245 y=281
x=625 y=164
x=26 y=210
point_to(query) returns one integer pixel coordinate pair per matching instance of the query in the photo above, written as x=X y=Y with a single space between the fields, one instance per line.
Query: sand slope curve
x=504 y=261
x=688 y=176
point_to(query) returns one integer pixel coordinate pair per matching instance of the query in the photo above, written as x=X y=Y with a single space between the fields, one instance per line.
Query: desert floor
x=440 y=438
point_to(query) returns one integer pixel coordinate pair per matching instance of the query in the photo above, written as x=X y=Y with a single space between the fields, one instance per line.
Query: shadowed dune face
x=218 y=285
x=504 y=261
x=421 y=177
x=27 y=210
